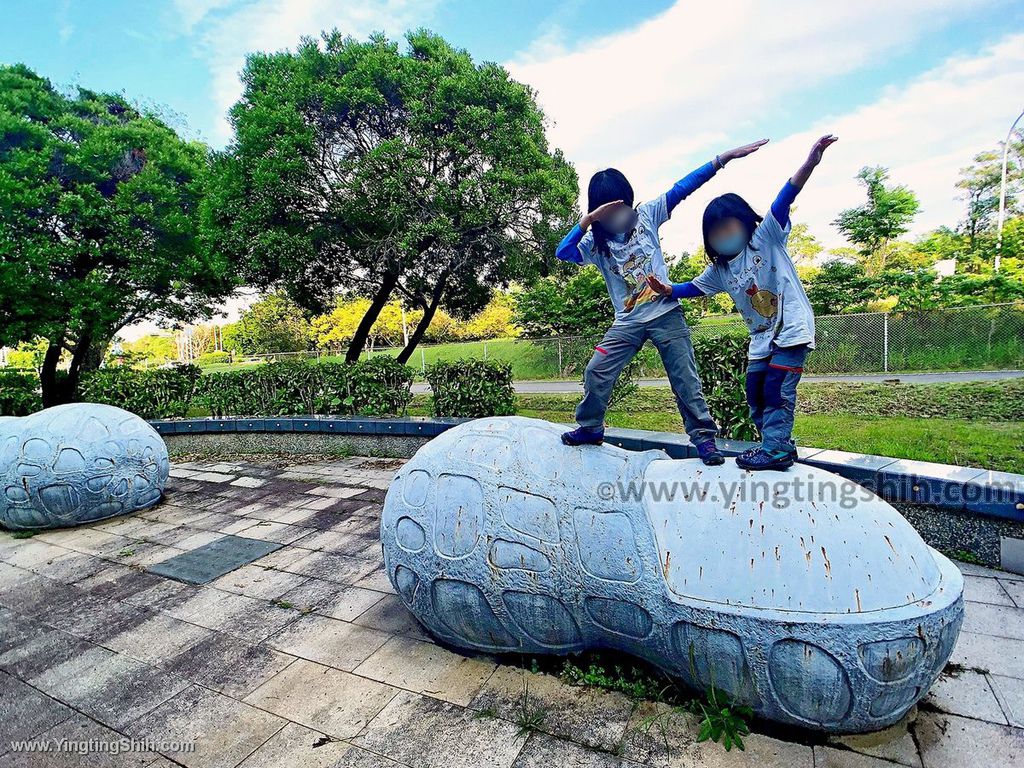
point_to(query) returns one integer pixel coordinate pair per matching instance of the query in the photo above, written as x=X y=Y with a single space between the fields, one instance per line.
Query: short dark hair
x=728 y=206
x=607 y=186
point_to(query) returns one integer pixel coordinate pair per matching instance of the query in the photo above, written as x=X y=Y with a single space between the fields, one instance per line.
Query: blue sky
x=654 y=87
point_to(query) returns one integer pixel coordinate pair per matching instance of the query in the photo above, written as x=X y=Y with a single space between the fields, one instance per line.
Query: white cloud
x=227 y=30
x=659 y=98
x=64 y=26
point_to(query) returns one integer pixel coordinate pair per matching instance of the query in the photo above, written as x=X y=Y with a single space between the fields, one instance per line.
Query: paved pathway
x=306 y=658
x=552 y=387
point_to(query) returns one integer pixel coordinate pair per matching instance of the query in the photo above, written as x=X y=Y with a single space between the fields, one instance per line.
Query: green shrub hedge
x=472 y=388
x=213 y=358
x=722 y=365
x=19 y=393
x=380 y=386
x=156 y=393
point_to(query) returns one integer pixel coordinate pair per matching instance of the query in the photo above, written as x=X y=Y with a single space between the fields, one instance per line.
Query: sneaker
x=584 y=436
x=709 y=453
x=755 y=448
x=762 y=459
x=750 y=451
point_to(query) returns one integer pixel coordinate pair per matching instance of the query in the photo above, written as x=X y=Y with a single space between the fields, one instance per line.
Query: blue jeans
x=771 y=394
x=671 y=337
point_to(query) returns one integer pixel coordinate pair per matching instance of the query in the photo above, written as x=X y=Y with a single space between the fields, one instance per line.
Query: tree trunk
x=380 y=299
x=52 y=392
x=80 y=360
x=424 y=323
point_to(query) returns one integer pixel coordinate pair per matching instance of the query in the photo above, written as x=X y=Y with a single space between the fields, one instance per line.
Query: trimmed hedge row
x=157 y=393
x=722 y=365
x=379 y=386
x=472 y=388
x=19 y=393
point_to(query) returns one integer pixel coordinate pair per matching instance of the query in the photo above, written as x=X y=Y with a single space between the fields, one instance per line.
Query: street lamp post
x=1002 y=193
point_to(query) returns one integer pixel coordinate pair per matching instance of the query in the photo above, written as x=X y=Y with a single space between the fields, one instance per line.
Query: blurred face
x=728 y=236
x=619 y=219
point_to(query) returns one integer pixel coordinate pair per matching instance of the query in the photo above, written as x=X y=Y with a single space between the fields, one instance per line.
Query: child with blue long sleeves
x=749 y=261
x=623 y=243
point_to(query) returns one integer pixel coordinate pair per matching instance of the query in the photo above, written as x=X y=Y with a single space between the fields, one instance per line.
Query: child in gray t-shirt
x=749 y=261
x=624 y=244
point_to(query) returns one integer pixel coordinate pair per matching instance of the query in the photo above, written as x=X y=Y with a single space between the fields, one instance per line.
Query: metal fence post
x=559 y=356
x=485 y=350
x=885 y=342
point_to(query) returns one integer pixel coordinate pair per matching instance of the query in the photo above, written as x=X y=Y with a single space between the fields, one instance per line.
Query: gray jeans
x=671 y=336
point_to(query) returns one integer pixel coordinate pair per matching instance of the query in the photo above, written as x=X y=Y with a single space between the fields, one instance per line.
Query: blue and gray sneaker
x=584 y=436
x=709 y=453
x=762 y=459
x=754 y=449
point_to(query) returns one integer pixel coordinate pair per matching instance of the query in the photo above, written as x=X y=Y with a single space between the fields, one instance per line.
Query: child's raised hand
x=819 y=148
x=659 y=287
x=743 y=151
x=599 y=213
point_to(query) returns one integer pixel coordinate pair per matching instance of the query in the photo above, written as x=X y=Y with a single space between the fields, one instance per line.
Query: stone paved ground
x=307 y=658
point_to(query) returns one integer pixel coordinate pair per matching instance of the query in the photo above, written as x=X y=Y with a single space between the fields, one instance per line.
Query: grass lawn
x=984 y=428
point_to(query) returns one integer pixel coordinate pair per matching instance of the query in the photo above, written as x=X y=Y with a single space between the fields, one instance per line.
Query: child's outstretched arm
x=693 y=181
x=569 y=248
x=685 y=290
x=782 y=204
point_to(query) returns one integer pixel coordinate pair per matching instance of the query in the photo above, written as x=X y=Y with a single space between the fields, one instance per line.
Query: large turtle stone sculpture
x=77 y=463
x=811 y=600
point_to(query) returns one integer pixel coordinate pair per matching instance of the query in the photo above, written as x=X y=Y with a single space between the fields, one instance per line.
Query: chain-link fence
x=962 y=338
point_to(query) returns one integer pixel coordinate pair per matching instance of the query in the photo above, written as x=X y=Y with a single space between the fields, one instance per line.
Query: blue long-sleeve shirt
x=779 y=209
x=568 y=249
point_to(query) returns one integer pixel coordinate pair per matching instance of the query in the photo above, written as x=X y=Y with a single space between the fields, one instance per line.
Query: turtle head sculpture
x=77 y=463
x=775 y=588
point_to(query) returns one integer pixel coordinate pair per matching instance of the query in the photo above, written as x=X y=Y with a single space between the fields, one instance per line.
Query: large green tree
x=882 y=219
x=272 y=324
x=407 y=172
x=98 y=223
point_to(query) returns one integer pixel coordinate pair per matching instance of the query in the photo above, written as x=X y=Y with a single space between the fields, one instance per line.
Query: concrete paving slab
x=329 y=599
x=203 y=565
x=429 y=733
x=223 y=730
x=996 y=620
x=967 y=693
x=328 y=700
x=80 y=731
x=586 y=715
x=998 y=655
x=227 y=664
x=255 y=581
x=1010 y=693
x=427 y=668
x=390 y=615
x=109 y=687
x=25 y=713
x=1015 y=590
x=243 y=617
x=157 y=638
x=949 y=741
x=830 y=757
x=661 y=737
x=981 y=590
x=295 y=746
x=334 y=643
x=543 y=751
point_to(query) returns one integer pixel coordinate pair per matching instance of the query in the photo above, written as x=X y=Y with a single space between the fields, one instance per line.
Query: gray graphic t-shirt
x=625 y=270
x=763 y=283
